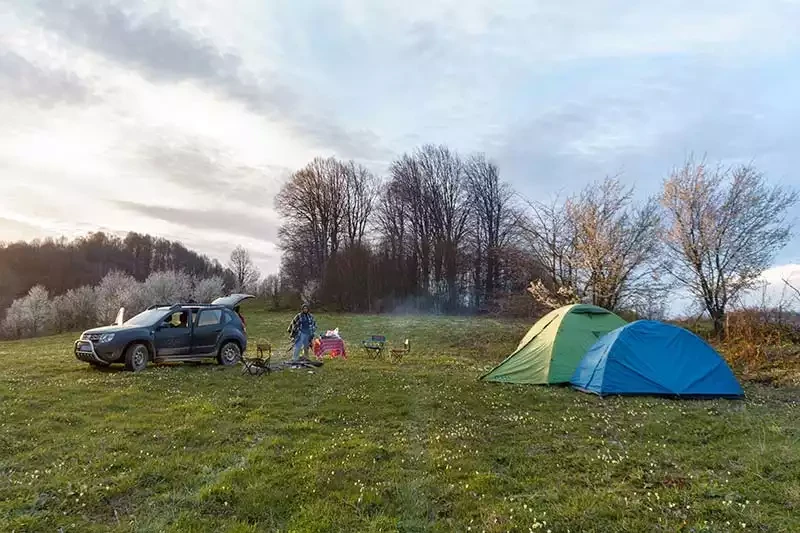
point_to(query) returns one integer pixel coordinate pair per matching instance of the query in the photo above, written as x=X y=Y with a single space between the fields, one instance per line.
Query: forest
x=443 y=232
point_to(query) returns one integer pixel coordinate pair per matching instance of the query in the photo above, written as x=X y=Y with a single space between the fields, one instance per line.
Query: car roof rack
x=170 y=306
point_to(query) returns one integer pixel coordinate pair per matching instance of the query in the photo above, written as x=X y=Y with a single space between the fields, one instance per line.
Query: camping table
x=330 y=345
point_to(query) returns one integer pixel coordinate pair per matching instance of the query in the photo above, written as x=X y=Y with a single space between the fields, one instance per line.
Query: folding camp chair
x=260 y=364
x=374 y=345
x=395 y=354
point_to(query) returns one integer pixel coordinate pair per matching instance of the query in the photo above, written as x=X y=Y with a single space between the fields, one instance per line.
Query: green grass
x=364 y=445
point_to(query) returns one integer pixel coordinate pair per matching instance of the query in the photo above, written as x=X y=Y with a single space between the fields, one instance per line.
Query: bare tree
x=494 y=220
x=313 y=198
x=445 y=204
x=245 y=272
x=271 y=290
x=359 y=202
x=549 y=234
x=724 y=227
x=408 y=192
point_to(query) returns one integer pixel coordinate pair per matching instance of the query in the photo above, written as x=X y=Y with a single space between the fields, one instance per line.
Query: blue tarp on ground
x=653 y=358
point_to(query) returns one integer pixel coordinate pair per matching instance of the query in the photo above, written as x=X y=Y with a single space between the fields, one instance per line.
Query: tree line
x=443 y=232
x=39 y=312
x=59 y=265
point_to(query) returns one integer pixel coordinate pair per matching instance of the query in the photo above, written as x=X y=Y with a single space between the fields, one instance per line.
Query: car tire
x=229 y=354
x=136 y=357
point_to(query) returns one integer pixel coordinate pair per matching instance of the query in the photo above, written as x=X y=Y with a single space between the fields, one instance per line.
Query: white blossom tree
x=724 y=227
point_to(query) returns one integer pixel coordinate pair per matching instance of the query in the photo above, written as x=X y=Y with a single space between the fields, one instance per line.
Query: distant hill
x=61 y=264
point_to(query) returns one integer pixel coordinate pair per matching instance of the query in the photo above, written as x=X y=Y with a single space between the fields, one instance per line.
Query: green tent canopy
x=552 y=349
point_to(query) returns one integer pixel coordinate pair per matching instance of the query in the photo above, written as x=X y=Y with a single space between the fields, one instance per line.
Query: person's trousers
x=301 y=343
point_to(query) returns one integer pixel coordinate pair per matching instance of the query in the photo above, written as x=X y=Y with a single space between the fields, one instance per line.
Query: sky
x=182 y=118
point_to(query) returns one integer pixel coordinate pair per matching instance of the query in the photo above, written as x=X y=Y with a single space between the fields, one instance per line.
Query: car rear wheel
x=136 y=357
x=229 y=354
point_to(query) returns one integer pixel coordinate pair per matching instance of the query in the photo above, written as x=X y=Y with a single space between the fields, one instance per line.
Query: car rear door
x=232 y=301
x=207 y=331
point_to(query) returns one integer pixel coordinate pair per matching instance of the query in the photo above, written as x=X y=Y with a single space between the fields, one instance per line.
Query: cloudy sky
x=182 y=117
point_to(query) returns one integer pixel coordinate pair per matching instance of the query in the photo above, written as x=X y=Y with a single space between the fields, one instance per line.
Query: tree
x=430 y=185
x=116 y=290
x=60 y=264
x=615 y=244
x=245 y=272
x=312 y=202
x=28 y=316
x=208 y=289
x=596 y=247
x=550 y=236
x=359 y=202
x=76 y=309
x=167 y=287
x=494 y=220
x=724 y=227
x=270 y=290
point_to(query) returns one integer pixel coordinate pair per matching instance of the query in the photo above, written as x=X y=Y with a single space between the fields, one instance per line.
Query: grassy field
x=364 y=445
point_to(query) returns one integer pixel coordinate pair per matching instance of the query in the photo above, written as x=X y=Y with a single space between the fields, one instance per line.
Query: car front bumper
x=85 y=351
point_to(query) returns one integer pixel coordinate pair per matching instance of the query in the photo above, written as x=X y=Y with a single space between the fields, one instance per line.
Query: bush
x=82 y=308
x=30 y=315
x=209 y=289
x=167 y=287
x=117 y=290
x=77 y=309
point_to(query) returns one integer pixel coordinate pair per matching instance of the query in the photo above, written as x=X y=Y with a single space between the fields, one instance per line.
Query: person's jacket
x=300 y=320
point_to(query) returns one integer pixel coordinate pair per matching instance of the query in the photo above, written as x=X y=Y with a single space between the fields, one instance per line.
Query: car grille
x=94 y=337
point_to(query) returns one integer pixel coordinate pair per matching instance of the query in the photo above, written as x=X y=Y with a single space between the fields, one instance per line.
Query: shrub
x=167 y=287
x=117 y=290
x=77 y=309
x=35 y=314
x=207 y=290
x=30 y=315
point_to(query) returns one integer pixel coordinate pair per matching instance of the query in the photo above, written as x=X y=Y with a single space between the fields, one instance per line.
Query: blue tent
x=652 y=358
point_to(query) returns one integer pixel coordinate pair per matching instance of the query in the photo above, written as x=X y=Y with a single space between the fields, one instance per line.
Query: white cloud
x=196 y=106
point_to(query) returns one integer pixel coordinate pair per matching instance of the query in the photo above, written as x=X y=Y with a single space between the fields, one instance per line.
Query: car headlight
x=106 y=337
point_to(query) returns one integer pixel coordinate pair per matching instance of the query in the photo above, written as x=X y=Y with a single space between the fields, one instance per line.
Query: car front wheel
x=229 y=354
x=136 y=357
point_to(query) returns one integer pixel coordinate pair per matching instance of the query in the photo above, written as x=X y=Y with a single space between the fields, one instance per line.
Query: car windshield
x=146 y=318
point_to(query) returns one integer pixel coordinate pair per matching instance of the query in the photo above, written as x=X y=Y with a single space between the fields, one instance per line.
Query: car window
x=146 y=318
x=209 y=317
x=179 y=319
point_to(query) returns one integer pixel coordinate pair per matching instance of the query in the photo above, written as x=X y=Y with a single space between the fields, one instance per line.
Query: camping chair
x=374 y=345
x=396 y=354
x=256 y=366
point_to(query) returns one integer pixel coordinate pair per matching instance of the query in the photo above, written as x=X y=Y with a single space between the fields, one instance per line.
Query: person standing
x=301 y=331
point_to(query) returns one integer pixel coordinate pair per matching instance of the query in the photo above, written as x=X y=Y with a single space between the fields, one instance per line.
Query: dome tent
x=653 y=358
x=553 y=347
